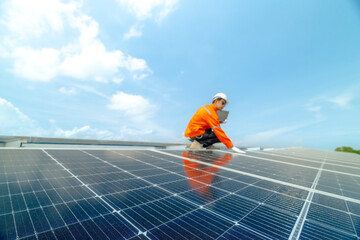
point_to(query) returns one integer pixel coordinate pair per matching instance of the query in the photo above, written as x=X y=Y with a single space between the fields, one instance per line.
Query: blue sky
x=139 y=69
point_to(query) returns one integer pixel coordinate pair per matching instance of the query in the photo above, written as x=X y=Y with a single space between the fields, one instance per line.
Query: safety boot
x=196 y=145
x=211 y=147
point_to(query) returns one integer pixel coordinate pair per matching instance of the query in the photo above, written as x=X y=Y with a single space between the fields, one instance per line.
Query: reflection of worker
x=201 y=175
x=204 y=127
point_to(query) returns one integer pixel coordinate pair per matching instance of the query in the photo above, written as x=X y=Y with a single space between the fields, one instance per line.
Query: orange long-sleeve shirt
x=204 y=118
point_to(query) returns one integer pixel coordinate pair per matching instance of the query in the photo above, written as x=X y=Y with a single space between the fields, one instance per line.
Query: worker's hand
x=235 y=149
x=224 y=121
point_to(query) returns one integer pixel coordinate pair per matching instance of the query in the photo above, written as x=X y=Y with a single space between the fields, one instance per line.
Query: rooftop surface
x=84 y=193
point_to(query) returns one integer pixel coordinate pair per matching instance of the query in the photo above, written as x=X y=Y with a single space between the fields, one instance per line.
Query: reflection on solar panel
x=173 y=194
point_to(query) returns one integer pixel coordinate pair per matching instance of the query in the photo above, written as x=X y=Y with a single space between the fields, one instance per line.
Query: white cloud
x=342 y=101
x=264 y=136
x=14 y=122
x=90 y=89
x=136 y=107
x=32 y=18
x=38 y=65
x=117 y=80
x=149 y=8
x=314 y=108
x=68 y=91
x=272 y=137
x=133 y=32
x=83 y=56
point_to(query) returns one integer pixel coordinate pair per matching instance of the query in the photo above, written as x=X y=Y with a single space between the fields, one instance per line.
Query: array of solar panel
x=172 y=194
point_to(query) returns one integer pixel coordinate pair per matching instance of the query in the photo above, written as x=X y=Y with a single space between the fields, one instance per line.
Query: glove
x=235 y=149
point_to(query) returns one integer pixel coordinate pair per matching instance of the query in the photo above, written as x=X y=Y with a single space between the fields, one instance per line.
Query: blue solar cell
x=64 y=194
x=312 y=230
x=25 y=187
x=293 y=192
x=54 y=197
x=179 y=186
x=18 y=203
x=36 y=186
x=53 y=216
x=272 y=223
x=202 y=223
x=7 y=227
x=239 y=232
x=3 y=189
x=121 y=225
x=354 y=208
x=49 y=235
x=153 y=214
x=63 y=233
x=331 y=217
x=43 y=198
x=45 y=184
x=5 y=205
x=23 y=224
x=14 y=188
x=3 y=177
x=94 y=231
x=11 y=177
x=356 y=222
x=285 y=202
x=66 y=214
x=204 y=195
x=79 y=232
x=163 y=178
x=132 y=198
x=88 y=208
x=76 y=209
x=233 y=207
x=100 y=206
x=230 y=185
x=255 y=193
x=107 y=228
x=40 y=221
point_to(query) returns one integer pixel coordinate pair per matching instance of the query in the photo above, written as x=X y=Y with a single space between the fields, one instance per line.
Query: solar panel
x=175 y=194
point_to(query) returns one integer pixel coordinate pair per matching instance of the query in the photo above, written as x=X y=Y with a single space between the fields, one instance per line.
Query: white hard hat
x=220 y=95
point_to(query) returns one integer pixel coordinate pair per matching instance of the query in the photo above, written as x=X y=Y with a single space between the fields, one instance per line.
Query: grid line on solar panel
x=241 y=232
x=165 y=189
x=302 y=166
x=254 y=173
x=57 y=190
x=287 y=157
x=273 y=180
x=315 y=231
x=299 y=224
x=271 y=223
x=346 y=158
x=96 y=195
x=300 y=202
x=134 y=159
x=55 y=217
x=330 y=217
x=100 y=227
x=280 y=209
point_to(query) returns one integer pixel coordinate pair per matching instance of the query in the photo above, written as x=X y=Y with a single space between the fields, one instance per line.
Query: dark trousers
x=207 y=139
